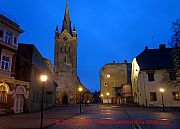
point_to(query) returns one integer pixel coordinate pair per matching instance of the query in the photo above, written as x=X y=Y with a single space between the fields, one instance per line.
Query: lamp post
x=108 y=97
x=162 y=90
x=101 y=98
x=108 y=76
x=80 y=90
x=43 y=79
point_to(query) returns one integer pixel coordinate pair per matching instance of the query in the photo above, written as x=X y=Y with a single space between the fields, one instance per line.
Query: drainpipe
x=145 y=91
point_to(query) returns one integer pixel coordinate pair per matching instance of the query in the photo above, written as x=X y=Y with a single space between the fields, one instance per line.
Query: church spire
x=67 y=21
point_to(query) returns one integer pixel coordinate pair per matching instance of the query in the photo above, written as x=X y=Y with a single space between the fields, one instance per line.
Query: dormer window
x=9 y=37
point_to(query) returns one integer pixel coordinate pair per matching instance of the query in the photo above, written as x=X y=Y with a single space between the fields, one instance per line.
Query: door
x=19 y=103
x=65 y=99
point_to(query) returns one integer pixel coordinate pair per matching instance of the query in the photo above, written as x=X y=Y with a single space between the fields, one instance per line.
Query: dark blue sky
x=107 y=29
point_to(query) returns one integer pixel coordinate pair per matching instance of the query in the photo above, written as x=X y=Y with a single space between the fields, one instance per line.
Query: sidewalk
x=32 y=120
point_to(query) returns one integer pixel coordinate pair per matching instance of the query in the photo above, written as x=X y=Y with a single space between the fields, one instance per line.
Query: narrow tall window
x=69 y=48
x=63 y=48
x=15 y=40
x=1 y=33
x=5 y=63
x=65 y=59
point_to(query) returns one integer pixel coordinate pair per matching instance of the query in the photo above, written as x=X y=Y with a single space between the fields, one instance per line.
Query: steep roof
x=154 y=59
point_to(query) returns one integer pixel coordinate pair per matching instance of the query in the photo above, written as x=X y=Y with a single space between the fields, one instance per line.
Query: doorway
x=65 y=99
x=19 y=103
x=3 y=94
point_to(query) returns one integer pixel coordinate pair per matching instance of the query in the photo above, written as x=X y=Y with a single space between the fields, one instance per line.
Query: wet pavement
x=117 y=117
x=95 y=117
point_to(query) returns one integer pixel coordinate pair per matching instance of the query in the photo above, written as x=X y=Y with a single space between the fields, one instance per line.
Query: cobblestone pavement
x=95 y=117
x=117 y=117
x=32 y=120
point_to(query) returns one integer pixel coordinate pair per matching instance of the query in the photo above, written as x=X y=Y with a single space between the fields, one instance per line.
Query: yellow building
x=115 y=83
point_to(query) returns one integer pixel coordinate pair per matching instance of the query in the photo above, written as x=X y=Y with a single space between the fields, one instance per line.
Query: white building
x=153 y=69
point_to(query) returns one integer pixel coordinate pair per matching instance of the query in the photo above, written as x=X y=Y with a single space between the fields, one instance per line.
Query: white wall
x=142 y=87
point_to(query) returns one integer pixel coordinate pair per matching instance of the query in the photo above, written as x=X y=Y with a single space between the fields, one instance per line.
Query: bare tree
x=175 y=44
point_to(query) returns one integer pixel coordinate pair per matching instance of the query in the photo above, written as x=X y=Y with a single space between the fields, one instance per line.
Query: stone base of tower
x=67 y=90
x=66 y=98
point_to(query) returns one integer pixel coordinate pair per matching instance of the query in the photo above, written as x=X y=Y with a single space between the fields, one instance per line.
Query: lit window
x=176 y=96
x=5 y=63
x=172 y=76
x=150 y=76
x=153 y=96
x=9 y=37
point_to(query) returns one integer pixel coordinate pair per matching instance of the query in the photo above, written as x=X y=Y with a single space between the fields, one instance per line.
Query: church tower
x=65 y=61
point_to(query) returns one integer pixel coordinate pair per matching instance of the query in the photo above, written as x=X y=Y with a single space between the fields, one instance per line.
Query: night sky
x=108 y=30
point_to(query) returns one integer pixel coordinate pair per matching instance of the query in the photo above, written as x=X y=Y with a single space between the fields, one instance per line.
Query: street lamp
x=108 y=97
x=101 y=98
x=162 y=90
x=43 y=79
x=80 y=90
x=108 y=75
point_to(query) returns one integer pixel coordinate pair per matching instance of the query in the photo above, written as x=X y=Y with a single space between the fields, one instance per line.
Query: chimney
x=162 y=46
x=146 y=47
x=125 y=61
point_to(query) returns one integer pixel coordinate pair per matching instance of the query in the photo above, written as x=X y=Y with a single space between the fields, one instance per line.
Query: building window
x=5 y=63
x=153 y=96
x=176 y=96
x=172 y=76
x=15 y=40
x=65 y=59
x=63 y=48
x=1 y=33
x=105 y=84
x=151 y=76
x=69 y=49
x=9 y=37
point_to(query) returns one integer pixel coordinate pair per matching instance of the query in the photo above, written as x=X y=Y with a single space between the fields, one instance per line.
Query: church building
x=65 y=62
